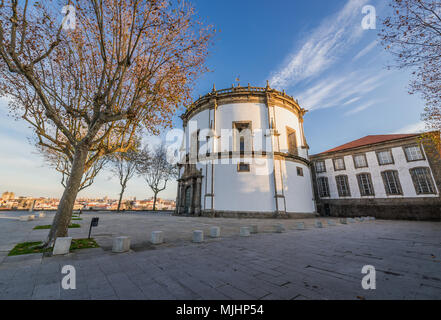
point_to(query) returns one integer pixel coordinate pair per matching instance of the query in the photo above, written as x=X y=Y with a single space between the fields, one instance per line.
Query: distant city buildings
x=8 y=195
x=8 y=201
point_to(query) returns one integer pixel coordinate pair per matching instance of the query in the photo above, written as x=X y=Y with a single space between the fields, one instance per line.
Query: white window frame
x=380 y=158
x=422 y=181
x=362 y=184
x=340 y=190
x=387 y=182
x=343 y=162
x=411 y=157
x=363 y=155
x=324 y=166
x=322 y=188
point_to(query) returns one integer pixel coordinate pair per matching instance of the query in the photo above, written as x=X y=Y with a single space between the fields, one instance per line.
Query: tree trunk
x=120 y=198
x=63 y=216
x=154 y=201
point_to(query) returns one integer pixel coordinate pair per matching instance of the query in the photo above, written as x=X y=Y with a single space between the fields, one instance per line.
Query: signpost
x=93 y=223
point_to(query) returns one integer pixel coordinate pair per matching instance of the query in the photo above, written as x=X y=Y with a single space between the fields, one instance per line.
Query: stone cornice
x=254 y=154
x=248 y=94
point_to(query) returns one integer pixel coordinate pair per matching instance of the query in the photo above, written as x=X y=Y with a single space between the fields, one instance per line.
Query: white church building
x=245 y=155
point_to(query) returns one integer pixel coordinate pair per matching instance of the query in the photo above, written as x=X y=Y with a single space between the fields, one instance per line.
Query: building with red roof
x=395 y=176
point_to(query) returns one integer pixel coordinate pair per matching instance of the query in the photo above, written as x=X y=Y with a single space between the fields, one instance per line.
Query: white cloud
x=360 y=108
x=322 y=48
x=416 y=127
x=341 y=90
x=366 y=50
x=351 y=101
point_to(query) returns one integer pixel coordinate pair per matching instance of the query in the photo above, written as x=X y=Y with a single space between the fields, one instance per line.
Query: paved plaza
x=297 y=264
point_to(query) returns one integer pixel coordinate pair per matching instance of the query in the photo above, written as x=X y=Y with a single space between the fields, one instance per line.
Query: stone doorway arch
x=189 y=191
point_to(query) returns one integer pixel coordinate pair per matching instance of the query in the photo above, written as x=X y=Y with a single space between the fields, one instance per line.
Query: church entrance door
x=187 y=199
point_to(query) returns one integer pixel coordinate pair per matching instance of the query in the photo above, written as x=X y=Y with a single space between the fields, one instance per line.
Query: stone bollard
x=300 y=226
x=198 y=236
x=121 y=244
x=254 y=229
x=244 y=231
x=214 y=232
x=42 y=215
x=62 y=246
x=318 y=224
x=331 y=223
x=157 y=237
x=279 y=228
x=344 y=221
x=27 y=218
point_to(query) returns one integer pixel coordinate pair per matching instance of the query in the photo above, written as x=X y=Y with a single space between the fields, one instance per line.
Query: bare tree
x=87 y=91
x=63 y=165
x=413 y=36
x=123 y=165
x=156 y=169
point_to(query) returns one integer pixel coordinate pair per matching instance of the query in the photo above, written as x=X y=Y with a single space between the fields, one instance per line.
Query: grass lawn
x=32 y=247
x=83 y=244
x=72 y=226
x=28 y=248
x=77 y=219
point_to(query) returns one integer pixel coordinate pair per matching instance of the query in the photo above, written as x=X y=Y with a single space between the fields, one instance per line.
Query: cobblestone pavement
x=309 y=264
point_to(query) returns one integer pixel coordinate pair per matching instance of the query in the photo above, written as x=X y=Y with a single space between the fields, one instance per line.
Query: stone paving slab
x=308 y=264
x=138 y=226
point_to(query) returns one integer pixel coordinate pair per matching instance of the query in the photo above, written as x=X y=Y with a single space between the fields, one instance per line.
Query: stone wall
x=255 y=214
x=428 y=209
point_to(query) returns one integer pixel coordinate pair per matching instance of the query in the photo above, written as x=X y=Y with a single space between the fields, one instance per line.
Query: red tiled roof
x=373 y=139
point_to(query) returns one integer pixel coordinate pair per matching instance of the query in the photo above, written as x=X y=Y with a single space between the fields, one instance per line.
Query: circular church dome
x=245 y=155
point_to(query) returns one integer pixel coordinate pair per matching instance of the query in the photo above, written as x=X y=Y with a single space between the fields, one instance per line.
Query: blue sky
x=316 y=50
